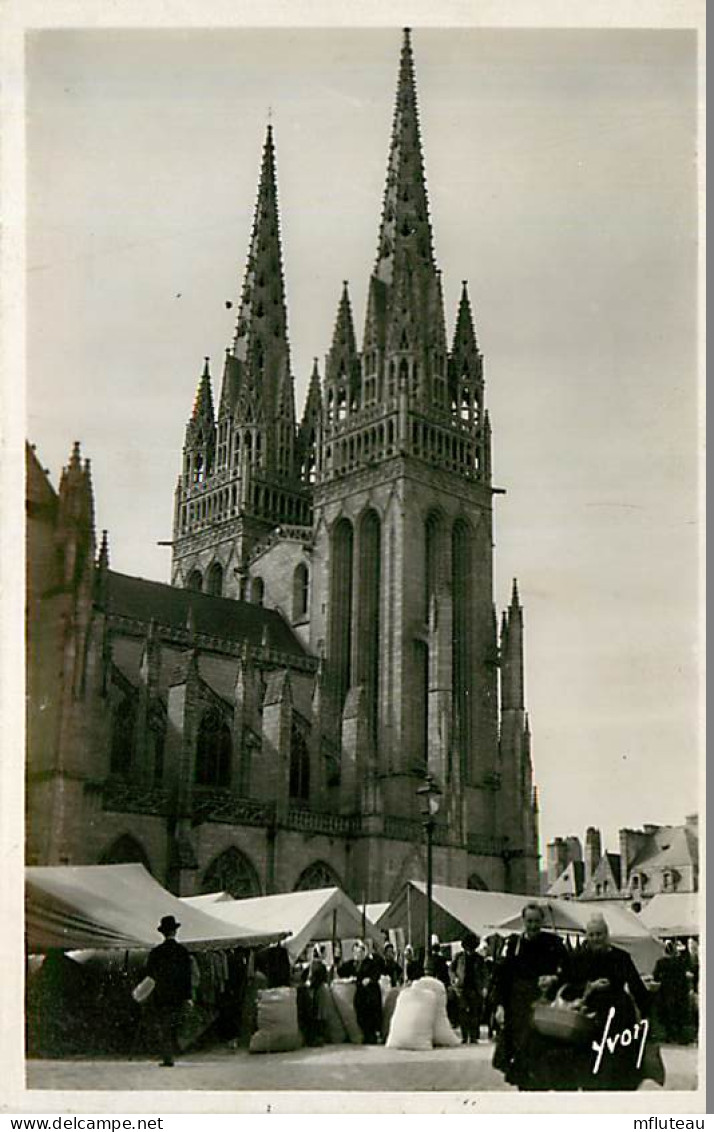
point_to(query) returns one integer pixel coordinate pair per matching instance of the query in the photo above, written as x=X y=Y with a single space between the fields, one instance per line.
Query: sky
x=562 y=179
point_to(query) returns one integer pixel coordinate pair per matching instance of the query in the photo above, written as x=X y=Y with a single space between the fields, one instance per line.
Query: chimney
x=556 y=859
x=574 y=850
x=593 y=852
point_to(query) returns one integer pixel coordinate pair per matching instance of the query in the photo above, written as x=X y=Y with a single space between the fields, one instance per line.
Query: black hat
x=168 y=924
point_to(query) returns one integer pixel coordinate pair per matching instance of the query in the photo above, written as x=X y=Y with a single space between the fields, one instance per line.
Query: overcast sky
x=562 y=182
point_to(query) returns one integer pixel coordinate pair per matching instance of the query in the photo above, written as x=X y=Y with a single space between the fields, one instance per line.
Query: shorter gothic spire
x=342 y=368
x=308 y=433
x=103 y=560
x=515 y=601
x=464 y=334
x=203 y=404
x=343 y=338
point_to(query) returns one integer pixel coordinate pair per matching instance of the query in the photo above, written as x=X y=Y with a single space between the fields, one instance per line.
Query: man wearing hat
x=169 y=965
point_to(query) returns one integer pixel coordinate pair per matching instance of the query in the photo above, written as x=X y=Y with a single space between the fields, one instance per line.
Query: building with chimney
x=652 y=860
x=329 y=635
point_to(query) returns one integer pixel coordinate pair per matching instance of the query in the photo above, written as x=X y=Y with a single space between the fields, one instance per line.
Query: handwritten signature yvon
x=625 y=1038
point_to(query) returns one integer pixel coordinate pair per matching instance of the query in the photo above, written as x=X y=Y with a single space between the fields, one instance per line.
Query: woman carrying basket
x=605 y=984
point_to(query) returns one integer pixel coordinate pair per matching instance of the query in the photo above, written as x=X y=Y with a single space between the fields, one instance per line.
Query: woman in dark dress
x=607 y=981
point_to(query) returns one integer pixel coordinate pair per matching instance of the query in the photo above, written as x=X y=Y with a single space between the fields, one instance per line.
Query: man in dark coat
x=391 y=967
x=671 y=975
x=533 y=962
x=440 y=964
x=169 y=965
x=365 y=970
x=467 y=976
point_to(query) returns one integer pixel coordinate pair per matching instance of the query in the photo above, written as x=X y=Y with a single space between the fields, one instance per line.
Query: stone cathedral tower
x=368 y=526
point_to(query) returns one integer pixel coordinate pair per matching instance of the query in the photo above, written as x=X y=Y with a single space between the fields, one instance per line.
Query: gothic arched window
x=122 y=744
x=370 y=582
x=231 y=872
x=213 y=750
x=157 y=734
x=257 y=591
x=195 y=581
x=301 y=588
x=214 y=580
x=432 y=557
x=477 y=883
x=461 y=640
x=299 y=765
x=125 y=850
x=340 y=623
x=317 y=875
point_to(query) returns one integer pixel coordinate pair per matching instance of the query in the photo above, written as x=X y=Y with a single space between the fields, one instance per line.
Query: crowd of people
x=561 y=1017
x=467 y=980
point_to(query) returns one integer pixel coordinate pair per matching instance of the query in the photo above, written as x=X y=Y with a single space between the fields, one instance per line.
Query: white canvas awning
x=316 y=914
x=118 y=906
x=672 y=914
x=206 y=899
x=455 y=911
x=374 y=912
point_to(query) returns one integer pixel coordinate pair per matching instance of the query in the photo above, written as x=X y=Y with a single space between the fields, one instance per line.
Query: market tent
x=109 y=906
x=570 y=917
x=206 y=899
x=374 y=912
x=315 y=914
x=455 y=910
x=672 y=914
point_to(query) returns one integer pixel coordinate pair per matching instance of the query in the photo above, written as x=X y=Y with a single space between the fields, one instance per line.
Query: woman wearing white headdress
x=607 y=981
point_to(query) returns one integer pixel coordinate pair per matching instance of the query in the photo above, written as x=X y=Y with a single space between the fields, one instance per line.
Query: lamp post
x=429 y=797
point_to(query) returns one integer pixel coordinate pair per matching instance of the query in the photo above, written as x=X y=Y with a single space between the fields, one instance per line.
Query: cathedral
x=328 y=639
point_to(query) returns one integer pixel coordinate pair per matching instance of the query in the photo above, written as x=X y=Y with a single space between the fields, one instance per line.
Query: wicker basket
x=562 y=1024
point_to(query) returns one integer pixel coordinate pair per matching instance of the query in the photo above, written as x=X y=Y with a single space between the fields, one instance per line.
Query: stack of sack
x=343 y=996
x=420 y=1021
x=333 y=1027
x=278 y=1029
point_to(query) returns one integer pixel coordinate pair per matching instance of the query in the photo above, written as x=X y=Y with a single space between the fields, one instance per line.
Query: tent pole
x=409 y=914
x=334 y=933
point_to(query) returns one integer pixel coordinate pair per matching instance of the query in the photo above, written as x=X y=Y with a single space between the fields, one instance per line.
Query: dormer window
x=669 y=880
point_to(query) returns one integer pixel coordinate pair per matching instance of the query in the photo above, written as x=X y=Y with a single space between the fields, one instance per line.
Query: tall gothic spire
x=404 y=323
x=405 y=234
x=257 y=374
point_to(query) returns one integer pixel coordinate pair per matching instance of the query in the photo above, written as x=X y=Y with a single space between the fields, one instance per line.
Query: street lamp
x=429 y=797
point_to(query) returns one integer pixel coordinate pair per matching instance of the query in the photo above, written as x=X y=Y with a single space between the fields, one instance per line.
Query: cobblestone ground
x=352 y=1068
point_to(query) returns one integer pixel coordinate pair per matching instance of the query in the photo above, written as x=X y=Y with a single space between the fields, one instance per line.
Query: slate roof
x=615 y=866
x=669 y=846
x=225 y=618
x=570 y=882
